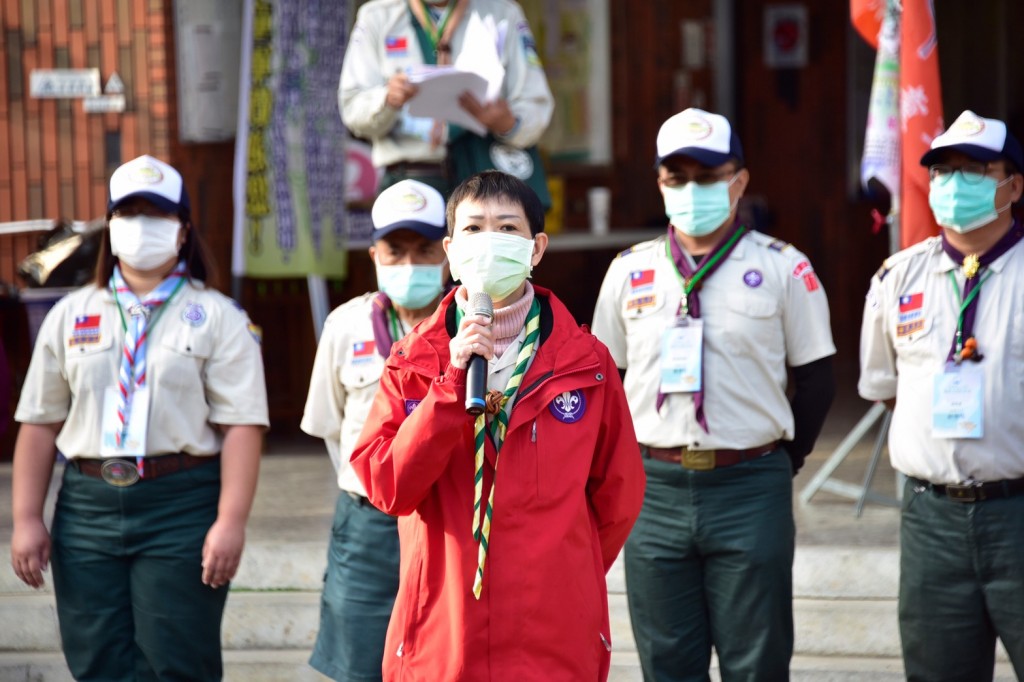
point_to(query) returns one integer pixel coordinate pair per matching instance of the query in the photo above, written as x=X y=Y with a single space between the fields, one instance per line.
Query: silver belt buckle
x=698 y=460
x=119 y=473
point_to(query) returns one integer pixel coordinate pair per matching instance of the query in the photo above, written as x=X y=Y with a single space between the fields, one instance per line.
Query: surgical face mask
x=491 y=262
x=411 y=286
x=964 y=206
x=698 y=210
x=144 y=242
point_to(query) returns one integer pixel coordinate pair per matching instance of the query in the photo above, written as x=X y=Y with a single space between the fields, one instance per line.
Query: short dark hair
x=194 y=252
x=493 y=184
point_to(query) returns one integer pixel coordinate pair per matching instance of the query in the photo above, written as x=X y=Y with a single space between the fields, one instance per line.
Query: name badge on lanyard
x=134 y=444
x=957 y=402
x=681 y=356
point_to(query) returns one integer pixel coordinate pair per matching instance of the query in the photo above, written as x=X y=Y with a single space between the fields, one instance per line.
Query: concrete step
x=291 y=666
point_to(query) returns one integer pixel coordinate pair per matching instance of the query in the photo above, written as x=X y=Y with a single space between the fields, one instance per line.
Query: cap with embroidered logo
x=152 y=180
x=705 y=137
x=983 y=139
x=409 y=205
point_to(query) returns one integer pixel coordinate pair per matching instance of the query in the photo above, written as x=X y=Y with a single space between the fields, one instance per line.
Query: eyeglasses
x=703 y=179
x=972 y=173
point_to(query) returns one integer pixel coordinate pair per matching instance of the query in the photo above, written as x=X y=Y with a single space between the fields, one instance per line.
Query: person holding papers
x=392 y=38
x=941 y=343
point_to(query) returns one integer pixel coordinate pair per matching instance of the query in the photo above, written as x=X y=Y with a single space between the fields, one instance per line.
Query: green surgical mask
x=964 y=206
x=411 y=286
x=491 y=262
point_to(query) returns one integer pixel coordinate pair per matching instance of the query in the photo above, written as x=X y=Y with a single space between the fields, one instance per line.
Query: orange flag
x=866 y=16
x=920 y=114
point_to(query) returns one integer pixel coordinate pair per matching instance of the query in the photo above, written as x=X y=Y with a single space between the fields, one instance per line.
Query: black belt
x=975 y=492
x=357 y=498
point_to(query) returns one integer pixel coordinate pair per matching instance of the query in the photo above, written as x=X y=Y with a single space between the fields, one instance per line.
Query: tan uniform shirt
x=203 y=360
x=910 y=318
x=763 y=309
x=384 y=42
x=345 y=375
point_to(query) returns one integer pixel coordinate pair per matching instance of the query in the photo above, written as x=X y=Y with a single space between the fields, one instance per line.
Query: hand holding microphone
x=472 y=347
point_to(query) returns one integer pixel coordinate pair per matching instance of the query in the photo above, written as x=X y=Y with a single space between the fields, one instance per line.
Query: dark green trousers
x=360 y=585
x=127 y=577
x=961 y=585
x=709 y=563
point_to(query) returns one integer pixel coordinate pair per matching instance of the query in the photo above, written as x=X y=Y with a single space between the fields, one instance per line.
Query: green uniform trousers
x=709 y=563
x=360 y=586
x=961 y=585
x=127 y=577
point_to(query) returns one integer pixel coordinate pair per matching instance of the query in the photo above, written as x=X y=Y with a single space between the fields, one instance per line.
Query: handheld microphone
x=476 y=374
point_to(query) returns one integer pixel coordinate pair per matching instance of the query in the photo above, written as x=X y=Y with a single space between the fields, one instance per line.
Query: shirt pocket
x=92 y=365
x=914 y=340
x=750 y=322
x=179 y=361
x=358 y=373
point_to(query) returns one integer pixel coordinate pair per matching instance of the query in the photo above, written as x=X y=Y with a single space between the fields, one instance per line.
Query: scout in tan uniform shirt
x=943 y=344
x=374 y=90
x=362 y=560
x=152 y=386
x=706 y=321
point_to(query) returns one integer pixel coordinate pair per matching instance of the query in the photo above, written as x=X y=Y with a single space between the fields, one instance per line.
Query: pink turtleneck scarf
x=508 y=321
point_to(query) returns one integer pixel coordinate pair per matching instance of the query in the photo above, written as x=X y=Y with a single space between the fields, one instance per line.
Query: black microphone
x=476 y=374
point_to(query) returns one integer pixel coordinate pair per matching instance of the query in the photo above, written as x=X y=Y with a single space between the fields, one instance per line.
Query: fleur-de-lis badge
x=971 y=265
x=568 y=406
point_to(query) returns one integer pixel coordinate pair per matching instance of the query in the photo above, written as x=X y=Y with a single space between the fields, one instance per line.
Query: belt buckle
x=698 y=460
x=119 y=473
x=964 y=493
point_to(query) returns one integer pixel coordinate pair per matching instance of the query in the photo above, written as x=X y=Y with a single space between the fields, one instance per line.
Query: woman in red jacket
x=510 y=520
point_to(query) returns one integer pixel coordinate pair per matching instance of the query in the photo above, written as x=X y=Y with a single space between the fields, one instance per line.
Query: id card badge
x=681 y=356
x=957 y=403
x=134 y=444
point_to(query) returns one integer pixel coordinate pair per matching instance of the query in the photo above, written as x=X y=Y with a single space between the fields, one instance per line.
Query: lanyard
x=965 y=304
x=395 y=324
x=707 y=265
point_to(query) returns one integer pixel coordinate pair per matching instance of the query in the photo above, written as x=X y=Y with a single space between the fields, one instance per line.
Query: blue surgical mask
x=411 y=286
x=698 y=210
x=963 y=206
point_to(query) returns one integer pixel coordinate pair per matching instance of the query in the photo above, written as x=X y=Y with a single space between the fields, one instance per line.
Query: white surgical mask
x=144 y=242
x=411 y=286
x=491 y=262
x=698 y=210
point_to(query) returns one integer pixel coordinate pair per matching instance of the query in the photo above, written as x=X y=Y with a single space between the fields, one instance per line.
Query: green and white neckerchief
x=497 y=428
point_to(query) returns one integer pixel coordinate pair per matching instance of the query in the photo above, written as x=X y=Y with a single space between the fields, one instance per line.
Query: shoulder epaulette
x=642 y=246
x=778 y=245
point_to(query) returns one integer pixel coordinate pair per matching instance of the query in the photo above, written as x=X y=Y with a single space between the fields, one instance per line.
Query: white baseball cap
x=409 y=205
x=984 y=139
x=151 y=179
x=708 y=138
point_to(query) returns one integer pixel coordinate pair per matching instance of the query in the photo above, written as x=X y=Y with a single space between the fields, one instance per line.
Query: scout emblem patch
x=86 y=330
x=568 y=407
x=752 y=278
x=411 y=405
x=194 y=314
x=911 y=314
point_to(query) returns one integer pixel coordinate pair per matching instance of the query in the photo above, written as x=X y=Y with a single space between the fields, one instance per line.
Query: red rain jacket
x=570 y=485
